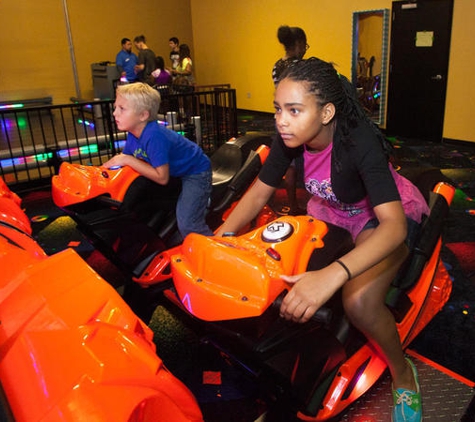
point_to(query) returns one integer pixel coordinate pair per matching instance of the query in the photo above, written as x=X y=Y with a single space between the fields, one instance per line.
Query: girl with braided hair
x=353 y=186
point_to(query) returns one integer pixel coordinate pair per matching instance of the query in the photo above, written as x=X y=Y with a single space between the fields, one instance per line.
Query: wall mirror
x=369 y=60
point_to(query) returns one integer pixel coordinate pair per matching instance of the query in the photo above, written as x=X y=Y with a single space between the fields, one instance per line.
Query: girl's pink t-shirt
x=325 y=206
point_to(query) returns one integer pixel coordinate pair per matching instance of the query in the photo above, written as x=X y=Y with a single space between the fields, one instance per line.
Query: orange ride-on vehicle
x=130 y=219
x=70 y=348
x=230 y=290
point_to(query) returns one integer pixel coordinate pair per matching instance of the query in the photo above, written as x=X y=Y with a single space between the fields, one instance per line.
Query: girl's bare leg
x=364 y=303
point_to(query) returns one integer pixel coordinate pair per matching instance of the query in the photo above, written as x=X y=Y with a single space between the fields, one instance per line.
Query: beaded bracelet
x=345 y=268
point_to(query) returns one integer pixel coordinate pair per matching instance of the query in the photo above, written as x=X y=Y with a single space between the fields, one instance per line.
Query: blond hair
x=142 y=98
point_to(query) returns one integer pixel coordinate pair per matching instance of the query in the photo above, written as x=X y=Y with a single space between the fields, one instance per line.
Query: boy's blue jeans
x=193 y=202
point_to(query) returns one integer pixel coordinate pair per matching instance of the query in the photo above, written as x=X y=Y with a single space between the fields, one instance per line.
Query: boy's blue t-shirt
x=158 y=146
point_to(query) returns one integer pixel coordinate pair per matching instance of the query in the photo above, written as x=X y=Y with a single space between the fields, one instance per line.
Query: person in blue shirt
x=160 y=154
x=126 y=61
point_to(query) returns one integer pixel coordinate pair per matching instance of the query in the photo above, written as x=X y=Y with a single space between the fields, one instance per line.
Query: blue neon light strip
x=18 y=161
x=74 y=152
x=63 y=153
x=86 y=122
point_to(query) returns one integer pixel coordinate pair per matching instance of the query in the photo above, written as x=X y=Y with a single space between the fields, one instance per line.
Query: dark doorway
x=418 y=67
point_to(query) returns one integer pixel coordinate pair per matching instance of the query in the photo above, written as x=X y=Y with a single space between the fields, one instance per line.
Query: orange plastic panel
x=446 y=190
x=15 y=227
x=77 y=183
x=5 y=192
x=239 y=277
x=263 y=152
x=348 y=384
x=432 y=291
x=10 y=209
x=71 y=349
x=158 y=270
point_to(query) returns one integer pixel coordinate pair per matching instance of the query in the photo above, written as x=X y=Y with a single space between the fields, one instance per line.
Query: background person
x=174 y=45
x=146 y=60
x=295 y=44
x=162 y=76
x=126 y=61
x=184 y=71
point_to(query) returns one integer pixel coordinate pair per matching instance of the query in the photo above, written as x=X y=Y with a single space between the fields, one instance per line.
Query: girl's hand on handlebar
x=309 y=292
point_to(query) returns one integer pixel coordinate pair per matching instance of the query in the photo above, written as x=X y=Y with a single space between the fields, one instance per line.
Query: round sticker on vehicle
x=277 y=231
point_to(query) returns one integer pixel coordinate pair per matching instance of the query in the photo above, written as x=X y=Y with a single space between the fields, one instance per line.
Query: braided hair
x=329 y=86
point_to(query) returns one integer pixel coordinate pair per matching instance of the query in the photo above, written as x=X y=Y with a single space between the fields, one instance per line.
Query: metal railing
x=35 y=140
x=207 y=115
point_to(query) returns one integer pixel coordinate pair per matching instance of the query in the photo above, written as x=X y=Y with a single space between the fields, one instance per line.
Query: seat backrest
x=225 y=163
x=430 y=232
x=221 y=199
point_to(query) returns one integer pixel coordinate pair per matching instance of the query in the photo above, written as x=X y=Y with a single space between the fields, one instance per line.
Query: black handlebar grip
x=323 y=315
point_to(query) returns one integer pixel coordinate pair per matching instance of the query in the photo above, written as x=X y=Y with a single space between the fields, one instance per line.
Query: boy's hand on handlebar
x=310 y=291
x=116 y=160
